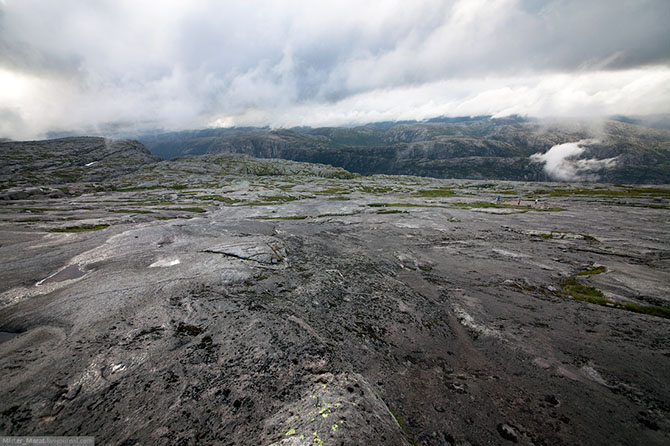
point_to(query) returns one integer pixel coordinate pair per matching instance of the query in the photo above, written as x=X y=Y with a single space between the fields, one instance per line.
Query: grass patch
x=218 y=198
x=625 y=192
x=194 y=210
x=336 y=215
x=487 y=204
x=652 y=310
x=432 y=193
x=392 y=211
x=288 y=217
x=332 y=191
x=129 y=211
x=82 y=228
x=403 y=425
x=135 y=188
x=278 y=198
x=375 y=189
x=586 y=293
x=597 y=270
x=405 y=205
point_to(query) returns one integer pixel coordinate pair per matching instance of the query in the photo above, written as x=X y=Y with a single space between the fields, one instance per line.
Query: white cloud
x=85 y=65
x=561 y=162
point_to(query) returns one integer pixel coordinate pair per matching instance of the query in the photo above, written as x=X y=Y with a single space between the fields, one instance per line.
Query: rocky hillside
x=478 y=148
x=66 y=161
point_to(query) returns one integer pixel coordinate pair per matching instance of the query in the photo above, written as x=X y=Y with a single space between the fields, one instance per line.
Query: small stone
x=551 y=399
x=508 y=432
x=72 y=392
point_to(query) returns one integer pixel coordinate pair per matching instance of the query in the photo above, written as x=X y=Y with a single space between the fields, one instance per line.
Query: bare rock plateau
x=222 y=299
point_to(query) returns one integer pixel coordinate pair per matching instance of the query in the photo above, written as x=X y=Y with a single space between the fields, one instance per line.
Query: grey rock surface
x=204 y=305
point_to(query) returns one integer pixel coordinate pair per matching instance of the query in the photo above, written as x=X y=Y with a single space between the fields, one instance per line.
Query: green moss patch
x=405 y=205
x=220 y=198
x=487 y=204
x=288 y=217
x=392 y=211
x=624 y=191
x=129 y=211
x=195 y=210
x=279 y=198
x=597 y=270
x=82 y=228
x=432 y=193
x=586 y=293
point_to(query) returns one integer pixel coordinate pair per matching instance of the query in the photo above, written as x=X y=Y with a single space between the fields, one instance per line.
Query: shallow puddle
x=69 y=273
x=6 y=336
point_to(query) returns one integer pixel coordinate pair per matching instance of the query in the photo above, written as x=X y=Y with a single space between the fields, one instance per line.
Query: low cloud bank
x=561 y=163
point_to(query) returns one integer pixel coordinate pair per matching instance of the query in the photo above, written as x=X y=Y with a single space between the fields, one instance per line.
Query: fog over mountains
x=478 y=148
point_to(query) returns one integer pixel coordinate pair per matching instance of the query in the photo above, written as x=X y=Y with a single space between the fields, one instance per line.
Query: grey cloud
x=193 y=61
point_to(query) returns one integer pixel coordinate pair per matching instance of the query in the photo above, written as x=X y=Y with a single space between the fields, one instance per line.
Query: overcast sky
x=92 y=66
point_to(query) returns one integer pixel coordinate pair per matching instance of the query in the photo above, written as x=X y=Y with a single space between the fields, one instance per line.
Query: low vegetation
x=220 y=198
x=434 y=193
x=595 y=270
x=573 y=289
x=81 y=228
x=488 y=204
x=622 y=191
x=129 y=211
x=193 y=209
x=405 y=205
x=287 y=217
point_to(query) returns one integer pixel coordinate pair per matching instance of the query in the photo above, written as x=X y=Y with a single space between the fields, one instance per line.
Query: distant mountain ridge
x=82 y=159
x=477 y=148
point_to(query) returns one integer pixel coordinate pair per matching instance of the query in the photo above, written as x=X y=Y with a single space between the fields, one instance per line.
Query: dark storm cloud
x=179 y=64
